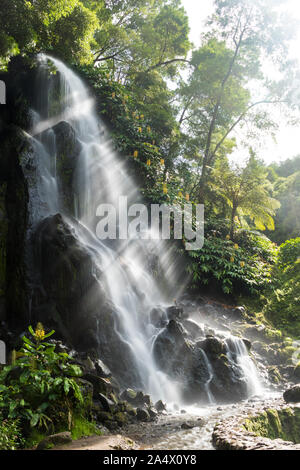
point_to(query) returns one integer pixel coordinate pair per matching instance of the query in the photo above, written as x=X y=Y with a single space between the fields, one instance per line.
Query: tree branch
x=167 y=62
x=239 y=120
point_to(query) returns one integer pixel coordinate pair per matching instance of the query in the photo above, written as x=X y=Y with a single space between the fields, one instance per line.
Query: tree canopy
x=176 y=111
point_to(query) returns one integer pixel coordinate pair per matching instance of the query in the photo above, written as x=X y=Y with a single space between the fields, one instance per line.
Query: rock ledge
x=230 y=433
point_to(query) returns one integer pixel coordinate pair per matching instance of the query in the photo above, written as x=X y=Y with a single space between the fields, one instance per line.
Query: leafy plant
x=10 y=434
x=283 y=300
x=39 y=389
x=244 y=266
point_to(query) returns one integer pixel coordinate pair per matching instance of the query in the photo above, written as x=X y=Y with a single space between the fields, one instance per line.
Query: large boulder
x=292 y=395
x=202 y=369
x=61 y=438
x=72 y=297
x=178 y=357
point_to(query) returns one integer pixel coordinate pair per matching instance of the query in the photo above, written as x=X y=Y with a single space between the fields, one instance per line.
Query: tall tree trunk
x=233 y=214
x=202 y=183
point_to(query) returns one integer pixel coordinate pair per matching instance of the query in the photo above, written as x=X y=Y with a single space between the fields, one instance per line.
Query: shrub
x=283 y=301
x=39 y=389
x=10 y=434
x=241 y=266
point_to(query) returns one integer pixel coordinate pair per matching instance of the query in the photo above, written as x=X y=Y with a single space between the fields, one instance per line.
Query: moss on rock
x=276 y=424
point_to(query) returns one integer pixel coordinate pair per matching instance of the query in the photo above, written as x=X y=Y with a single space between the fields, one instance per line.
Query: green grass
x=82 y=428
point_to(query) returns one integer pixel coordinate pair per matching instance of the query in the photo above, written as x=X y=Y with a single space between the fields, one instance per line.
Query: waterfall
x=238 y=356
x=210 y=377
x=101 y=177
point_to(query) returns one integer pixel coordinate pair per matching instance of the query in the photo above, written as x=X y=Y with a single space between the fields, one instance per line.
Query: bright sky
x=287 y=143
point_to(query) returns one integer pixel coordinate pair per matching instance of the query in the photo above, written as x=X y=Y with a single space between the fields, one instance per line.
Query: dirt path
x=112 y=442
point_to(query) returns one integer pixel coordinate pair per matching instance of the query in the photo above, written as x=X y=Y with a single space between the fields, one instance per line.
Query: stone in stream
x=153 y=413
x=292 y=395
x=187 y=425
x=158 y=317
x=160 y=406
x=174 y=312
x=142 y=414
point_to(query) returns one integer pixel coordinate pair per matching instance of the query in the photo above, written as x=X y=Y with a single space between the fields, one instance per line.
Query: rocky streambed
x=268 y=424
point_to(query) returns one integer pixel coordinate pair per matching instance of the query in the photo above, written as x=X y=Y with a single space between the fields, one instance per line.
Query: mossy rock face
x=121 y=418
x=87 y=392
x=274 y=374
x=276 y=424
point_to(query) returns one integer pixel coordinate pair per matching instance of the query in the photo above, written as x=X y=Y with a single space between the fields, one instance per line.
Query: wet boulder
x=142 y=414
x=158 y=317
x=194 y=330
x=174 y=312
x=160 y=406
x=71 y=297
x=100 y=384
x=177 y=356
x=74 y=295
x=292 y=395
x=136 y=398
x=213 y=346
x=61 y=438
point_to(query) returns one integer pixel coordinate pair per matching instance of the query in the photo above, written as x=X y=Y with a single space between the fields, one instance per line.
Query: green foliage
x=81 y=427
x=287 y=191
x=64 y=27
x=10 y=434
x=283 y=301
x=140 y=125
x=246 y=192
x=289 y=254
x=243 y=267
x=142 y=35
x=39 y=389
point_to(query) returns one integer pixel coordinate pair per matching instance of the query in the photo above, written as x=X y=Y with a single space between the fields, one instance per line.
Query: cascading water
x=238 y=356
x=100 y=177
